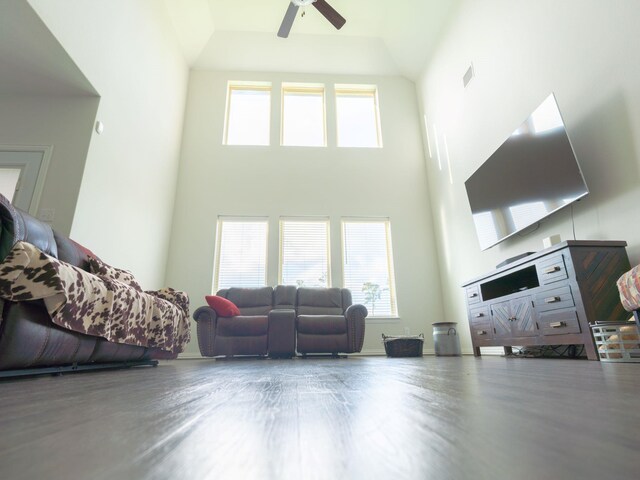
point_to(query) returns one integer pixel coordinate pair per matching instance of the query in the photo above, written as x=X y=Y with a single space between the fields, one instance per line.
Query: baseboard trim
x=191 y=356
x=364 y=353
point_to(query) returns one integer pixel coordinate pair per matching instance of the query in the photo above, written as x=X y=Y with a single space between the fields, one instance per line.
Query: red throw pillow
x=84 y=249
x=222 y=306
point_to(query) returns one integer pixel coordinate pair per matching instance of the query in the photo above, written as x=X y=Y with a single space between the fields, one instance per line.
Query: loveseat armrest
x=206 y=318
x=282 y=332
x=355 y=315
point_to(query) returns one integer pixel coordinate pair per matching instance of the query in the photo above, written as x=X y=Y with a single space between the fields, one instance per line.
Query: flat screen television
x=533 y=174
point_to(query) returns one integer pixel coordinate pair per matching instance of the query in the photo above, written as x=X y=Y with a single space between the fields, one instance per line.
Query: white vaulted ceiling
x=384 y=37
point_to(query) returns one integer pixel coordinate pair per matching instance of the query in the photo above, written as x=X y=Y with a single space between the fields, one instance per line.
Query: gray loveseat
x=265 y=326
x=280 y=321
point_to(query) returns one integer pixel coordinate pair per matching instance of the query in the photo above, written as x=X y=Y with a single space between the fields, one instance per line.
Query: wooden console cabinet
x=548 y=298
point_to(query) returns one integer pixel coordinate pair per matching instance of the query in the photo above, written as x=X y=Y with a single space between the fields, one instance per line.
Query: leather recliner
x=328 y=322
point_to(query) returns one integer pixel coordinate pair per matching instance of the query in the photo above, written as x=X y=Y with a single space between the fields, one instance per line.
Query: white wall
x=279 y=181
x=128 y=51
x=63 y=123
x=583 y=50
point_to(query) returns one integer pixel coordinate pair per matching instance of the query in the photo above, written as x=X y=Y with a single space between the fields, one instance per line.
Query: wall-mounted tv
x=533 y=174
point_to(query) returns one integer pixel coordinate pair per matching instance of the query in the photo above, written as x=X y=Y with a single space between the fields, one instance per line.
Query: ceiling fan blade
x=287 y=21
x=329 y=13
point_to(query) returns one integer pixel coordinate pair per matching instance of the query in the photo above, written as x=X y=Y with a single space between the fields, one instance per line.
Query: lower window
x=241 y=253
x=368 y=265
x=304 y=252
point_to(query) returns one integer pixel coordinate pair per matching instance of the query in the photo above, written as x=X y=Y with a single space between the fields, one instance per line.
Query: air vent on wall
x=468 y=75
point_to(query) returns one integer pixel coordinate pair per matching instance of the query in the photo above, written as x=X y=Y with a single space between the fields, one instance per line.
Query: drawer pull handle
x=478 y=315
x=553 y=269
x=552 y=299
x=481 y=332
x=473 y=295
x=558 y=324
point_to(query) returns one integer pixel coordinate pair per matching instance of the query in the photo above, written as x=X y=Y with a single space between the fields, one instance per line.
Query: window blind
x=304 y=253
x=368 y=265
x=241 y=253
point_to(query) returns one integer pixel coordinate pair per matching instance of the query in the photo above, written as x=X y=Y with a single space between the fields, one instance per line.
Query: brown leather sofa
x=28 y=337
x=273 y=320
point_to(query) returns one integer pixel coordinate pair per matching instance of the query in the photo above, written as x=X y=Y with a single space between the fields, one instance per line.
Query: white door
x=20 y=172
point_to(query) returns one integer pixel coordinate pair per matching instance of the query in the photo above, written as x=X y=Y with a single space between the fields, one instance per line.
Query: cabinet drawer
x=559 y=322
x=473 y=294
x=479 y=314
x=482 y=331
x=553 y=299
x=552 y=269
x=480 y=323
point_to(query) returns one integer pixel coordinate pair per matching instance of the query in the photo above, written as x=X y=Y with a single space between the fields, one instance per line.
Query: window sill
x=383 y=319
x=374 y=147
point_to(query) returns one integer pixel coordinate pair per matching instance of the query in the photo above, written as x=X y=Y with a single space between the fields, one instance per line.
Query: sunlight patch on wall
x=435 y=134
x=446 y=151
x=426 y=129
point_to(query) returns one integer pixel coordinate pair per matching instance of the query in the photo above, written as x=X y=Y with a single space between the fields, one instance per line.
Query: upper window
x=304 y=252
x=241 y=253
x=248 y=114
x=358 y=118
x=368 y=265
x=303 y=115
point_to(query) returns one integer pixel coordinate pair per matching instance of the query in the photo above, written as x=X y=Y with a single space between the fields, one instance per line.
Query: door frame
x=47 y=151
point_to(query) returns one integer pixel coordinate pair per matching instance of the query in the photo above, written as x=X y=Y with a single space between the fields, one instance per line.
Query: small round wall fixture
x=99 y=127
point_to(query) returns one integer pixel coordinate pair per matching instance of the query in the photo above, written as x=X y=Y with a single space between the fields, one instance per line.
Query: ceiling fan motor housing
x=302 y=3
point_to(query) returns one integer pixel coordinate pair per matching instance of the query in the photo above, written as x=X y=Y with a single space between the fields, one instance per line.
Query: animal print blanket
x=83 y=302
x=629 y=289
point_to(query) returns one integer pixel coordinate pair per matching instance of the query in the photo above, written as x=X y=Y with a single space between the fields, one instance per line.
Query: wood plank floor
x=355 y=418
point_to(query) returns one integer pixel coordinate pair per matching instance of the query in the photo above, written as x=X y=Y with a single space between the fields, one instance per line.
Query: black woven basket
x=407 y=346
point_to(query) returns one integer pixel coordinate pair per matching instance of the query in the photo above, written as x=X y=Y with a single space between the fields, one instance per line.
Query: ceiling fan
x=322 y=6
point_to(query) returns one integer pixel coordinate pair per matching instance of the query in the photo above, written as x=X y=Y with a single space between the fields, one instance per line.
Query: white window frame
x=304 y=88
x=251 y=86
x=359 y=90
x=219 y=227
x=324 y=220
x=393 y=301
x=42 y=168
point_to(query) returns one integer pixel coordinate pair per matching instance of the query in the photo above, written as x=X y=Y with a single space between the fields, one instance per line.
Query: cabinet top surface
x=560 y=246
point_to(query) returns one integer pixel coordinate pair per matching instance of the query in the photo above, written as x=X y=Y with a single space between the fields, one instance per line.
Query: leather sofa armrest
x=205 y=313
x=356 y=311
x=206 y=318
x=282 y=332
x=355 y=315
